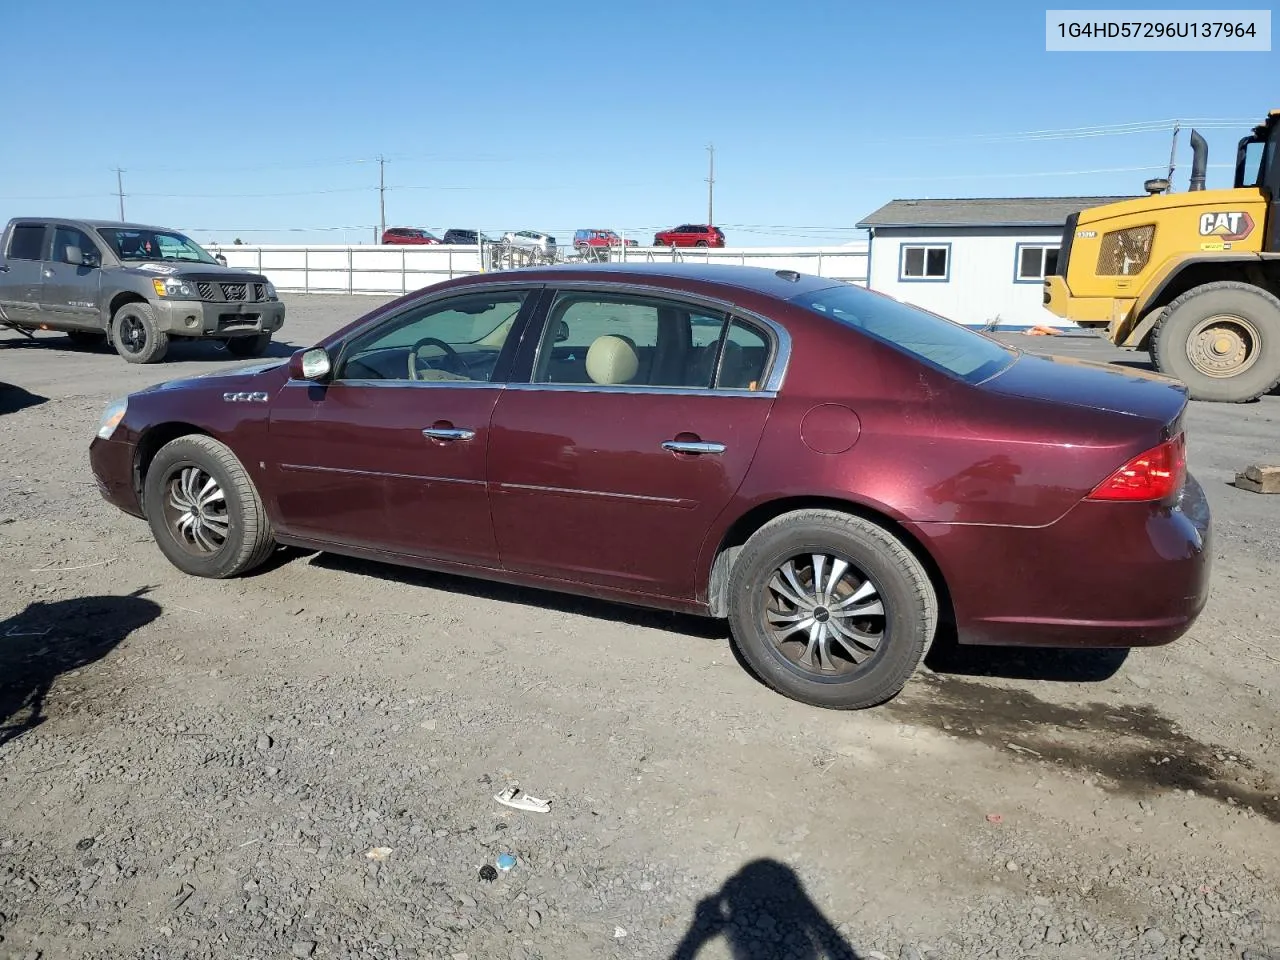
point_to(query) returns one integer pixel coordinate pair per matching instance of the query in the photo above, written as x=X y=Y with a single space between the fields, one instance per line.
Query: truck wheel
x=1222 y=340
x=254 y=346
x=831 y=609
x=136 y=336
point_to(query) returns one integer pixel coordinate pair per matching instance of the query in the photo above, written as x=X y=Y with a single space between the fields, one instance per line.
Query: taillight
x=1155 y=475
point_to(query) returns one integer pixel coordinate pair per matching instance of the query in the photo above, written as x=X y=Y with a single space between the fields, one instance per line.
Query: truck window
x=64 y=237
x=27 y=242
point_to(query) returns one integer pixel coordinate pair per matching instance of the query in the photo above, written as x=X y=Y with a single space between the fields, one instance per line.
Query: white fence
x=400 y=269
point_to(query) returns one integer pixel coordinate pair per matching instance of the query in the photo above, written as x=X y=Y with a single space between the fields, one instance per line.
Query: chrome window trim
x=778 y=334
x=406 y=382
x=643 y=390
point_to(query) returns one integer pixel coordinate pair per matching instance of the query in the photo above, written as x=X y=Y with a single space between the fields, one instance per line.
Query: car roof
x=783 y=284
x=113 y=224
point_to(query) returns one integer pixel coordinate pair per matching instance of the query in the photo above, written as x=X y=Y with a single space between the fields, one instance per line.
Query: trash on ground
x=519 y=800
x=488 y=874
x=618 y=933
x=995 y=818
x=379 y=853
x=505 y=862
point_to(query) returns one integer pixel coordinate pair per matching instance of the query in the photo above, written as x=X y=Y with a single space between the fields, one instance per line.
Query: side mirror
x=562 y=332
x=220 y=258
x=72 y=254
x=313 y=364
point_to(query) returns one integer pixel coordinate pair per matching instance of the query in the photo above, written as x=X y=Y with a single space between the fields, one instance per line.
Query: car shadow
x=1053 y=664
x=763 y=912
x=179 y=349
x=47 y=640
x=703 y=627
x=14 y=398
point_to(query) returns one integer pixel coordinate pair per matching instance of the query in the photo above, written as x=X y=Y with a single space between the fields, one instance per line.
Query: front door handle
x=693 y=446
x=48 y=273
x=4 y=268
x=448 y=433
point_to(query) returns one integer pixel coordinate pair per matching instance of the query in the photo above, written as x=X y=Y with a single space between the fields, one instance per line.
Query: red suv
x=690 y=235
x=408 y=235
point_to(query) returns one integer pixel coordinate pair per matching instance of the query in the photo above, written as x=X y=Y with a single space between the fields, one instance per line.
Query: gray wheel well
x=1264 y=274
x=757 y=517
x=118 y=301
x=149 y=445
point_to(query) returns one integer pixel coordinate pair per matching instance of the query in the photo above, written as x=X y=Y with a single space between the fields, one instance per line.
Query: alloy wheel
x=133 y=334
x=825 y=617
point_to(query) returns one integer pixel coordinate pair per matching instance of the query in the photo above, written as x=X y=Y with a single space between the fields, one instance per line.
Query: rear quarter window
x=941 y=343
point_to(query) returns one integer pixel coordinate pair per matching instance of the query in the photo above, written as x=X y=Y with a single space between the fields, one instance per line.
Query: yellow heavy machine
x=1192 y=277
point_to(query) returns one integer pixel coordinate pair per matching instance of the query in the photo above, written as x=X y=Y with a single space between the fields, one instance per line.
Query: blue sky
x=260 y=120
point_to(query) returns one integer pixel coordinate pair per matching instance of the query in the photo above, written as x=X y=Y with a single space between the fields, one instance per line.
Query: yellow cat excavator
x=1193 y=278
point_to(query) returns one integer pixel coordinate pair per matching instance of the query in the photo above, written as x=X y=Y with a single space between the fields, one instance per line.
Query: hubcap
x=196 y=510
x=132 y=333
x=824 y=616
x=1223 y=346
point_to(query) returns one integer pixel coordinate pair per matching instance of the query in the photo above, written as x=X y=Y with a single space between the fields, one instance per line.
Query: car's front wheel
x=204 y=510
x=251 y=346
x=831 y=609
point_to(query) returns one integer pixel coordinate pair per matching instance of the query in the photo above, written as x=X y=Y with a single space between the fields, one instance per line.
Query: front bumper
x=1104 y=575
x=198 y=318
x=112 y=464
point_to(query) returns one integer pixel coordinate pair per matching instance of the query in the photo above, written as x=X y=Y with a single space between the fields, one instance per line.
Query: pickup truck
x=135 y=285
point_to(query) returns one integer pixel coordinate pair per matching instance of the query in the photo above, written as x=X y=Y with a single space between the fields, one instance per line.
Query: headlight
x=111 y=417
x=271 y=291
x=175 y=288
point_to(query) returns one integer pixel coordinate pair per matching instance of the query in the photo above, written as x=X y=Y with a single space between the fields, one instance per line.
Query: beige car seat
x=612 y=359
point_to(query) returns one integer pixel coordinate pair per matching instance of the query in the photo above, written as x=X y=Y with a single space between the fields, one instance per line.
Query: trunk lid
x=1092 y=385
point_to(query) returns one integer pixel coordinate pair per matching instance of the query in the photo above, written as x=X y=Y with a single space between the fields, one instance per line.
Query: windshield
x=942 y=343
x=133 y=243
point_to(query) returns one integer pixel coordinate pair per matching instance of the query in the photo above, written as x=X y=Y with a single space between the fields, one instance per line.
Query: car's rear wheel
x=204 y=511
x=254 y=346
x=831 y=609
x=136 y=336
x=701 y=243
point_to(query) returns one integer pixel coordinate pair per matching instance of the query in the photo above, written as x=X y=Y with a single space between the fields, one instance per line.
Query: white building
x=981 y=262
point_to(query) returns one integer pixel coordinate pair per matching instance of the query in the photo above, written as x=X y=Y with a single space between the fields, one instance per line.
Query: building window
x=924 y=263
x=1032 y=263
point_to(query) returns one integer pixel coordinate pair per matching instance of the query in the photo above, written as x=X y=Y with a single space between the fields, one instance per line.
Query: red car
x=410 y=235
x=834 y=471
x=690 y=235
x=592 y=238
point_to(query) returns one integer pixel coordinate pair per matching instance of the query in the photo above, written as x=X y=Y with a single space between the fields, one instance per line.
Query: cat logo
x=1226 y=226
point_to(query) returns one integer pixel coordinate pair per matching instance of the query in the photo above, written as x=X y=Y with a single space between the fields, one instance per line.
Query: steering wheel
x=452 y=360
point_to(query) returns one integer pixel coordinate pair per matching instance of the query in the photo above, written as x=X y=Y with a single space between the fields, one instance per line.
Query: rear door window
x=27 y=242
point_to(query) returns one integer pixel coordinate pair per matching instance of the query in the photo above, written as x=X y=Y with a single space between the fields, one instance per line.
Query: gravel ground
x=302 y=763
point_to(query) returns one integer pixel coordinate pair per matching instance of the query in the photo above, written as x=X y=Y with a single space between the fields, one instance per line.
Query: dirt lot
x=199 y=769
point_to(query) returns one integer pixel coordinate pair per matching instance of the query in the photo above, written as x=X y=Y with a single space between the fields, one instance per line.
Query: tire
x=254 y=346
x=701 y=243
x=136 y=336
x=877 y=561
x=247 y=541
x=1247 y=319
x=85 y=338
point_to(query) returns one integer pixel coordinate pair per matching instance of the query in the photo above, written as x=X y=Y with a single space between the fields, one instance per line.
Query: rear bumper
x=197 y=318
x=112 y=464
x=1105 y=575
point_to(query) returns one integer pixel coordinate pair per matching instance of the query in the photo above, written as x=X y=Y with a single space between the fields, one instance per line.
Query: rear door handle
x=4 y=268
x=448 y=433
x=48 y=273
x=693 y=446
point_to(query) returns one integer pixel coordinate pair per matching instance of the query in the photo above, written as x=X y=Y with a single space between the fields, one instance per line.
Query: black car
x=466 y=236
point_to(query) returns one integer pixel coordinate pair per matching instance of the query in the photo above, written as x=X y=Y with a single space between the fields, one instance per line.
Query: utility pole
x=1173 y=152
x=382 y=196
x=120 y=190
x=711 y=184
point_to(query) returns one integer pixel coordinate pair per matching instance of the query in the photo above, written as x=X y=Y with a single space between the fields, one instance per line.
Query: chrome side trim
x=680 y=502
x=658 y=391
x=243 y=396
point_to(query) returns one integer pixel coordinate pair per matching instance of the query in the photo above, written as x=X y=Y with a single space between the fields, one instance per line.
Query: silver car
x=531 y=240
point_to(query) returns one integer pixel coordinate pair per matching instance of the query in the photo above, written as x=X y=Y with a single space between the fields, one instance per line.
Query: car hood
x=1091 y=384
x=201 y=271
x=219 y=379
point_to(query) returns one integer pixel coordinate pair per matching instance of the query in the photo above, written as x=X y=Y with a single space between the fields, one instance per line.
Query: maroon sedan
x=832 y=470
